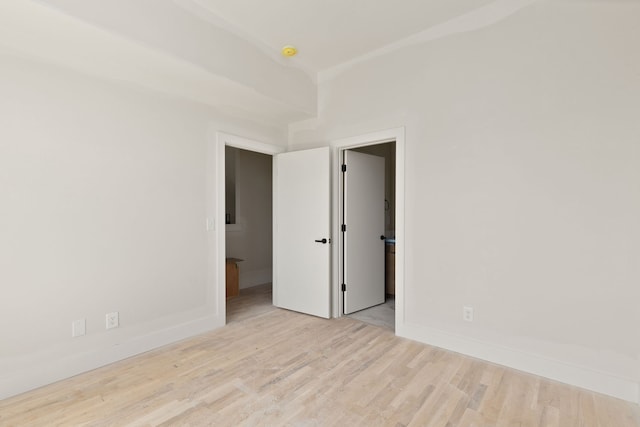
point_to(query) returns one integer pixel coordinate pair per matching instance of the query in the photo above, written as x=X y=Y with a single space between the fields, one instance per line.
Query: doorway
x=248 y=233
x=244 y=234
x=369 y=232
x=396 y=135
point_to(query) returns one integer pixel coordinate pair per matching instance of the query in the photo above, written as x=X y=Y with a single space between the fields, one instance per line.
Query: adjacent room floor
x=381 y=315
x=250 y=303
x=277 y=367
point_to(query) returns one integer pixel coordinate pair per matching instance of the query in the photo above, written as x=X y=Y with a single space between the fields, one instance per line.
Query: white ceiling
x=328 y=33
x=30 y=30
x=225 y=53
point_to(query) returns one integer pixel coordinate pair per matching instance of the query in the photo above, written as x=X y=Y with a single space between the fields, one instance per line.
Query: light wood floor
x=277 y=368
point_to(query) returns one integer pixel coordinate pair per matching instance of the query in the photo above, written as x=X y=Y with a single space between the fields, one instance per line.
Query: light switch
x=78 y=328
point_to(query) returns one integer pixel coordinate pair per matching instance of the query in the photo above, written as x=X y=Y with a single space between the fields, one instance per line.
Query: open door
x=363 y=234
x=301 y=238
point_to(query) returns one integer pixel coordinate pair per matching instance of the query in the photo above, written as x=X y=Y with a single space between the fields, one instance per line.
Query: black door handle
x=382 y=237
x=323 y=241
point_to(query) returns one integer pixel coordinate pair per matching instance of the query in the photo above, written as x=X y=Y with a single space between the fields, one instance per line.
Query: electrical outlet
x=78 y=328
x=112 y=320
x=467 y=314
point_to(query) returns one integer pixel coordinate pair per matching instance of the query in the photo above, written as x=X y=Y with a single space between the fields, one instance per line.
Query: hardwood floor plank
x=276 y=367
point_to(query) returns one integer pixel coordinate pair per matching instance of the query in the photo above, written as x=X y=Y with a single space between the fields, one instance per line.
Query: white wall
x=251 y=238
x=522 y=171
x=104 y=191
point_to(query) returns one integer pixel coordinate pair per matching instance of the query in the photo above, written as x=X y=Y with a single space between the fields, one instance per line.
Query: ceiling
x=226 y=53
x=328 y=33
x=32 y=30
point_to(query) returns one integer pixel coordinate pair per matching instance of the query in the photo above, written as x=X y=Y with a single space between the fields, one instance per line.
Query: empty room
x=320 y=213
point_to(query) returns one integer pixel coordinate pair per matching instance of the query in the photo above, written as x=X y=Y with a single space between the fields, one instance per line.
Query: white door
x=301 y=214
x=364 y=236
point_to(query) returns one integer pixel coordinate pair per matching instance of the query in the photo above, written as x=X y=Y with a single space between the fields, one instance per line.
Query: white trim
x=50 y=370
x=388 y=135
x=248 y=144
x=223 y=139
x=565 y=372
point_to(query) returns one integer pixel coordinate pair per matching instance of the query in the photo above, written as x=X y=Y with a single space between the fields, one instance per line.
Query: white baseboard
x=49 y=371
x=252 y=278
x=562 y=371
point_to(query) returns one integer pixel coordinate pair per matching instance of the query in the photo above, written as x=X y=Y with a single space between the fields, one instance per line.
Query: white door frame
x=222 y=140
x=338 y=146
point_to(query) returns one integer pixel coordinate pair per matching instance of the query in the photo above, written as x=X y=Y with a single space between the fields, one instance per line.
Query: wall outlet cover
x=78 y=328
x=112 y=320
x=467 y=314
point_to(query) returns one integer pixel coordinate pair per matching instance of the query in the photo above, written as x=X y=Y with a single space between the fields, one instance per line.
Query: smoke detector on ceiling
x=289 y=50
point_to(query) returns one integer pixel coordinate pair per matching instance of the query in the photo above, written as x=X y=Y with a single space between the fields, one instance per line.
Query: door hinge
x=344 y=287
x=344 y=168
x=344 y=227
